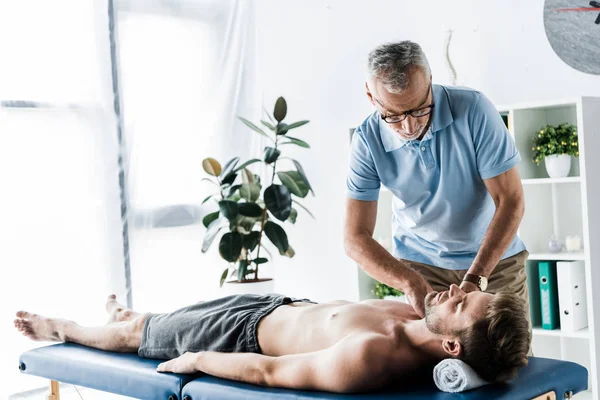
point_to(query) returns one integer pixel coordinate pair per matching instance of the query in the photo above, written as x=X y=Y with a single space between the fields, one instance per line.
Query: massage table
x=130 y=375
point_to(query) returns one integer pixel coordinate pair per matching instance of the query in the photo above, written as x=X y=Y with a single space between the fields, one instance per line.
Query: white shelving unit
x=561 y=207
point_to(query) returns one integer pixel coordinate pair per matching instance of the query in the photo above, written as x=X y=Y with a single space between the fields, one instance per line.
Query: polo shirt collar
x=442 y=117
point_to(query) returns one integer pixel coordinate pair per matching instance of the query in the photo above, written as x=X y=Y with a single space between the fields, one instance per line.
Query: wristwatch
x=480 y=281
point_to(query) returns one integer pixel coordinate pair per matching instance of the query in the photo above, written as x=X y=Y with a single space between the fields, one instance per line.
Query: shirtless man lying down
x=339 y=346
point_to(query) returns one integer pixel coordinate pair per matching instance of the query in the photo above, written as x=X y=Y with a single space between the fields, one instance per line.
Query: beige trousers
x=508 y=276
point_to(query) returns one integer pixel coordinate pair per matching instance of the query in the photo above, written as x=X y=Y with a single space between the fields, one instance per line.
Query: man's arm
x=507 y=191
x=374 y=259
x=354 y=364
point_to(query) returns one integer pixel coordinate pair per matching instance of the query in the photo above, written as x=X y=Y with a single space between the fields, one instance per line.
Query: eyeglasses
x=419 y=113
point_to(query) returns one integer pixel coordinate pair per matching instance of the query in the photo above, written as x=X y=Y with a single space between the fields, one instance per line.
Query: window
x=60 y=231
x=183 y=72
x=72 y=167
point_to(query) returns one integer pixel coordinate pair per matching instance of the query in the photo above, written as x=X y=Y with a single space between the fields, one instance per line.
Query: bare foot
x=117 y=311
x=37 y=327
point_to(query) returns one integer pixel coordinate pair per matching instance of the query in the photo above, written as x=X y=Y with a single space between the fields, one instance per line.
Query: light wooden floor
x=68 y=392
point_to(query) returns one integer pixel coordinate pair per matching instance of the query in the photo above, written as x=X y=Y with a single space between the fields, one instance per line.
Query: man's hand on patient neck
x=468 y=287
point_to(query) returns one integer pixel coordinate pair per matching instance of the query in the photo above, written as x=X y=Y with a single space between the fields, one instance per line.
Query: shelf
x=581 y=334
x=543 y=181
x=575 y=256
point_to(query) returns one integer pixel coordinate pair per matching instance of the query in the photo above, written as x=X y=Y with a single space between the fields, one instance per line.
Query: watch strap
x=476 y=279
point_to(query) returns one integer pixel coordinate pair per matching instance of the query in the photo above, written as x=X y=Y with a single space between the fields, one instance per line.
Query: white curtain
x=187 y=69
x=61 y=249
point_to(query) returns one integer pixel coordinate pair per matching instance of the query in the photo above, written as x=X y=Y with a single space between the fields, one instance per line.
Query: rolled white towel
x=453 y=376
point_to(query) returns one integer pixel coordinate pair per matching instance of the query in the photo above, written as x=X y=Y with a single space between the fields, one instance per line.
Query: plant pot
x=558 y=165
x=259 y=286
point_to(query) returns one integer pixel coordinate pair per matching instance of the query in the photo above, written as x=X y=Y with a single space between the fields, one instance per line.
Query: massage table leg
x=552 y=396
x=54 y=393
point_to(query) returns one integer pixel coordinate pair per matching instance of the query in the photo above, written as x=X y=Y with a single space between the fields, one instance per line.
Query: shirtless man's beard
x=432 y=319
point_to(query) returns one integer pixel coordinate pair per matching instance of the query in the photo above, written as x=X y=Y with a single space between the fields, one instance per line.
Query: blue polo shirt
x=441 y=207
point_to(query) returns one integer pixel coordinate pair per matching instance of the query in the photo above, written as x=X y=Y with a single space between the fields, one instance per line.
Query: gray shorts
x=228 y=324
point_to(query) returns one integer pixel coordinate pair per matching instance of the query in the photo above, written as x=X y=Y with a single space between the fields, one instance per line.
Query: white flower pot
x=558 y=166
x=260 y=287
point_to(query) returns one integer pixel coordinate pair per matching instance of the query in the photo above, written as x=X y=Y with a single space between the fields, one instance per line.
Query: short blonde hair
x=497 y=345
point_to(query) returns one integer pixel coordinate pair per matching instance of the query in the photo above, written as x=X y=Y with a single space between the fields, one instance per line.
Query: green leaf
x=250 y=210
x=207 y=199
x=288 y=253
x=211 y=232
x=250 y=191
x=242 y=266
x=229 y=209
x=208 y=218
x=280 y=110
x=298 y=142
x=244 y=165
x=271 y=154
x=293 y=181
x=247 y=176
x=260 y=260
x=243 y=225
x=297 y=124
x=211 y=166
x=231 y=191
x=303 y=175
x=293 y=216
x=277 y=236
x=254 y=127
x=281 y=129
x=278 y=201
x=304 y=208
x=229 y=179
x=251 y=240
x=209 y=180
x=268 y=125
x=229 y=166
x=230 y=246
x=223 y=277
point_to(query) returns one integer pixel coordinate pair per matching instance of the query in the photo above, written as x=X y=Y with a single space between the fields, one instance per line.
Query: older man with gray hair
x=449 y=161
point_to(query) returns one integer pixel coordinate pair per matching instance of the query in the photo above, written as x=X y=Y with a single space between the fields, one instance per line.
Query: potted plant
x=556 y=145
x=248 y=210
x=385 y=292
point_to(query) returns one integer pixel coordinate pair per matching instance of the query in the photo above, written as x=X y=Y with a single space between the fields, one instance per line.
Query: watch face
x=483 y=283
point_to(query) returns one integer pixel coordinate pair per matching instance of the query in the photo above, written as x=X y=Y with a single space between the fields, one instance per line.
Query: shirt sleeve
x=495 y=148
x=363 y=180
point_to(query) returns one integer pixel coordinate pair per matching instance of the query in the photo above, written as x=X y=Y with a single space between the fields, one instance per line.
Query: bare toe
x=111 y=304
x=37 y=327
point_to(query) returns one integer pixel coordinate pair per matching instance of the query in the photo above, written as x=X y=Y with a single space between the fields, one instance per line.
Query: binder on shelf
x=533 y=288
x=572 y=295
x=548 y=295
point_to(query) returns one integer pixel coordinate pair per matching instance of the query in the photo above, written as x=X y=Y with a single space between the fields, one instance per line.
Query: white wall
x=313 y=52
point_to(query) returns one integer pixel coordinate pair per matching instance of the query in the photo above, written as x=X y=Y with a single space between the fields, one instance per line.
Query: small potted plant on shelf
x=248 y=210
x=556 y=145
x=385 y=292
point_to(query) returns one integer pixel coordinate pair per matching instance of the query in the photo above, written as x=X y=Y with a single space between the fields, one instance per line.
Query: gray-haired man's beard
x=410 y=136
